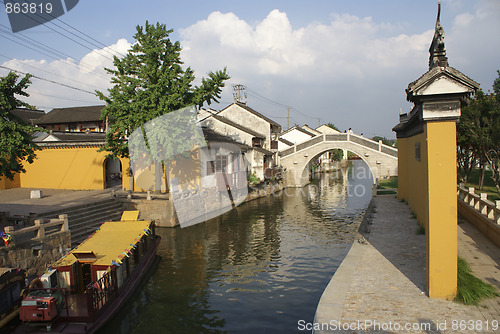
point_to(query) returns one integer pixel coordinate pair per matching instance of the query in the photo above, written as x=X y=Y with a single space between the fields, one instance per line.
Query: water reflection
x=259 y=268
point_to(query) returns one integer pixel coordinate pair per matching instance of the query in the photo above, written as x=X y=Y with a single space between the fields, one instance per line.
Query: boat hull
x=76 y=326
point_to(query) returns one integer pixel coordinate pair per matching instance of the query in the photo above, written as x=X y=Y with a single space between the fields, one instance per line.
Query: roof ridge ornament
x=438 y=50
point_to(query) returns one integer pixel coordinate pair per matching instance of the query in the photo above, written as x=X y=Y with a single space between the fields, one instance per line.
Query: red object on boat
x=38 y=309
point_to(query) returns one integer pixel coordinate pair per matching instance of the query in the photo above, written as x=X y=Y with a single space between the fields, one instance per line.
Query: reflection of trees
x=192 y=258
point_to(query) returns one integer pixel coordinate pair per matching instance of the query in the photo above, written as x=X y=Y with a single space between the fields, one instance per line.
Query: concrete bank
x=17 y=202
x=380 y=285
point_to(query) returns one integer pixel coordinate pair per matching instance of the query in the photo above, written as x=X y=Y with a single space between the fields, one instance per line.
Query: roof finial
x=439 y=11
x=437 y=50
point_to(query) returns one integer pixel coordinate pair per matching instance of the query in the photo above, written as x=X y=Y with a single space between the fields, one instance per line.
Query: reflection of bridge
x=296 y=160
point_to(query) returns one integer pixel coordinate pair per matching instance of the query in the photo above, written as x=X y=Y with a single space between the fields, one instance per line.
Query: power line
x=52 y=73
x=268 y=100
x=30 y=91
x=51 y=81
x=51 y=50
x=60 y=33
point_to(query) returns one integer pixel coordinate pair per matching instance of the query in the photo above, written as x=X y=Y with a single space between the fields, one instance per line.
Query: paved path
x=382 y=282
x=18 y=201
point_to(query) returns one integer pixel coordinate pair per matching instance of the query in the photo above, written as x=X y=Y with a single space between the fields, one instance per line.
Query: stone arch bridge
x=381 y=159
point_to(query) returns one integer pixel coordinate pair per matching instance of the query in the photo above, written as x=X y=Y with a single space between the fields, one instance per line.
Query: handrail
x=480 y=203
x=348 y=137
x=39 y=230
x=101 y=292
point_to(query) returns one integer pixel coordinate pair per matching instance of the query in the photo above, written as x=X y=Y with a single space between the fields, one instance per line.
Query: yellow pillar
x=427 y=163
x=441 y=233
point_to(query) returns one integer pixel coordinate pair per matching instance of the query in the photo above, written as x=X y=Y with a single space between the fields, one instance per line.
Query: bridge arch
x=381 y=159
x=306 y=168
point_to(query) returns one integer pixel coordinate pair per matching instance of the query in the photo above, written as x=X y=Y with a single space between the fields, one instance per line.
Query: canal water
x=260 y=268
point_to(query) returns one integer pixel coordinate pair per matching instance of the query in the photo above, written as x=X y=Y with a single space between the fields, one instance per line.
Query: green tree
x=150 y=82
x=384 y=140
x=496 y=84
x=478 y=136
x=16 y=137
x=333 y=126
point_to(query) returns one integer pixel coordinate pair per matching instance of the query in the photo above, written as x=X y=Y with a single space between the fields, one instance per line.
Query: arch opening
x=112 y=172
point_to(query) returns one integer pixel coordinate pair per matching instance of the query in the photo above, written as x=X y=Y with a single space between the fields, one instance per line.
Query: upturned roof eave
x=434 y=73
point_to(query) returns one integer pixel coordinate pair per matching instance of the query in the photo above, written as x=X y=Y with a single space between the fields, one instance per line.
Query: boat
x=12 y=282
x=82 y=291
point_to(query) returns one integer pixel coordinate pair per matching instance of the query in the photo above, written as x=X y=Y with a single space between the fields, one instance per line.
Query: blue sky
x=346 y=62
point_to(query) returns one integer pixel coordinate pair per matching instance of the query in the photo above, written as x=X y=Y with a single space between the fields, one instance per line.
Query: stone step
x=101 y=215
x=78 y=208
x=80 y=232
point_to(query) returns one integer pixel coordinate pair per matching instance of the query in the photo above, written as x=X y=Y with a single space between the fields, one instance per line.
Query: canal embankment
x=381 y=281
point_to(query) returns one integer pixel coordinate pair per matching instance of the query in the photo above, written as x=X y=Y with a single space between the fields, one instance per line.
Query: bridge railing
x=480 y=203
x=336 y=137
x=365 y=142
x=310 y=142
x=342 y=137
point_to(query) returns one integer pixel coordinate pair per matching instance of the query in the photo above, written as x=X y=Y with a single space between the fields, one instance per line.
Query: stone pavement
x=18 y=201
x=381 y=282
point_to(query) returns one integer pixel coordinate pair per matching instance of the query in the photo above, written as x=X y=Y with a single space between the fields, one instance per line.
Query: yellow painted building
x=70 y=166
x=427 y=162
x=5 y=183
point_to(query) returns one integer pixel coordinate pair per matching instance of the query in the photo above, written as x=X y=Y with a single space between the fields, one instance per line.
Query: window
x=221 y=163
x=274 y=145
x=256 y=142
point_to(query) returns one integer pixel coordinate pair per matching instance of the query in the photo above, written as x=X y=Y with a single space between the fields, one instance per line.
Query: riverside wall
x=161 y=208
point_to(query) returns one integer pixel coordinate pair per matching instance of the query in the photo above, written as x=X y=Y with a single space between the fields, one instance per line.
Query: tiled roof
x=27 y=115
x=298 y=128
x=435 y=72
x=77 y=137
x=72 y=115
x=283 y=140
x=214 y=137
x=311 y=130
x=256 y=113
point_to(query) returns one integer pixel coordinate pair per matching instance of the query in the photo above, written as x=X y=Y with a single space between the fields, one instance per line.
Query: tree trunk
x=481 y=176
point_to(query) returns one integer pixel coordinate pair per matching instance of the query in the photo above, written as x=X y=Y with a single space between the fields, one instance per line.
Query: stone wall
x=36 y=256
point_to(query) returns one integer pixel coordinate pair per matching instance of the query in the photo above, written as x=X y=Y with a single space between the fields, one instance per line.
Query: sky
x=319 y=61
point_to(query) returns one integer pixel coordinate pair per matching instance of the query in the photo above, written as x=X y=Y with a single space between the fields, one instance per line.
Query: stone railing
x=480 y=203
x=40 y=230
x=371 y=144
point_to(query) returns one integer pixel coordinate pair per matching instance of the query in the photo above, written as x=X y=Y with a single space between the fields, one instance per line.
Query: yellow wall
x=5 y=183
x=429 y=187
x=77 y=168
x=403 y=168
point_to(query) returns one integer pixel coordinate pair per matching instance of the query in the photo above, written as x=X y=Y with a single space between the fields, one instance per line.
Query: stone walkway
x=380 y=286
x=18 y=202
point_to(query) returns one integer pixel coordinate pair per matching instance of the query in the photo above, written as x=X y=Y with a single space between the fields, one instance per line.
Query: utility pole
x=239 y=94
x=319 y=122
x=288 y=119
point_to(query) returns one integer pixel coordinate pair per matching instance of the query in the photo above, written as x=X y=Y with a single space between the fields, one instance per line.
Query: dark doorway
x=112 y=172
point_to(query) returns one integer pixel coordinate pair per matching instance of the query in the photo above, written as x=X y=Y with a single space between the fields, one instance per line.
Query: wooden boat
x=83 y=290
x=12 y=282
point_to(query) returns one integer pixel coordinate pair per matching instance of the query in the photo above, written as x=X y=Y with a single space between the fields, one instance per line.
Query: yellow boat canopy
x=110 y=243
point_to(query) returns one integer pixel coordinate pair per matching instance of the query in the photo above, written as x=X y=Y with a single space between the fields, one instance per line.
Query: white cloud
x=87 y=75
x=274 y=58
x=349 y=70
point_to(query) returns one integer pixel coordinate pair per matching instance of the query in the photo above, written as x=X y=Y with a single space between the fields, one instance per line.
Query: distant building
x=74 y=119
x=327 y=130
x=294 y=135
x=28 y=116
x=246 y=126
